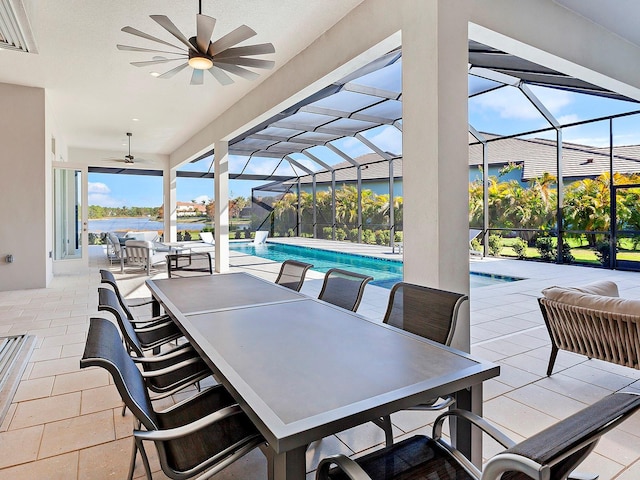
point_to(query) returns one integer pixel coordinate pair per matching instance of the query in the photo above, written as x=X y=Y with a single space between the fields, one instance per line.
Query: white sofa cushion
x=606 y=300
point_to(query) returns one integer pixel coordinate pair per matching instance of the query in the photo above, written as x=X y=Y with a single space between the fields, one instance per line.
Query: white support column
x=221 y=195
x=435 y=150
x=169 y=199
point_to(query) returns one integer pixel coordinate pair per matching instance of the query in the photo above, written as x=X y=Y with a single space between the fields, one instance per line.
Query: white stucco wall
x=24 y=185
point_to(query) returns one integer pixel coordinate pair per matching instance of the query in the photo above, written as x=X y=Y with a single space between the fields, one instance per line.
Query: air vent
x=15 y=30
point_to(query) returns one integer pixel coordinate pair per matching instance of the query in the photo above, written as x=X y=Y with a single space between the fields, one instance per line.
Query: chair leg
x=132 y=464
x=145 y=459
x=552 y=359
x=385 y=424
x=124 y=410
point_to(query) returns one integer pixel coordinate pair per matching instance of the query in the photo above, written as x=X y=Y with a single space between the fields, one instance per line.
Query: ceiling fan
x=219 y=57
x=127 y=158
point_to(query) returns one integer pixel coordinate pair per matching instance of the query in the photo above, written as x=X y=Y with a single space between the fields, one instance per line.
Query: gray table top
x=303 y=370
x=215 y=292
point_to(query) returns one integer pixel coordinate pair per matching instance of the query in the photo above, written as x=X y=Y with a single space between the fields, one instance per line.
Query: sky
x=504 y=111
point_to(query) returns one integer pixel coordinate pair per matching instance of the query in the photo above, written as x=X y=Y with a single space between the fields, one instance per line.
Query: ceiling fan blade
x=247 y=62
x=129 y=48
x=173 y=71
x=238 y=35
x=197 y=77
x=219 y=75
x=236 y=70
x=204 y=27
x=138 y=33
x=168 y=25
x=249 y=50
x=155 y=62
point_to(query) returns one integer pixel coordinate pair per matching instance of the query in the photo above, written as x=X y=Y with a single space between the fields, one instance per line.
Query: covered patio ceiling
x=319 y=133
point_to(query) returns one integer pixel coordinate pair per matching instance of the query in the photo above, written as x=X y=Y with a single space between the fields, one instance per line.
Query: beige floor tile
x=32 y=389
x=49 y=332
x=45 y=410
x=61 y=467
x=554 y=404
x=59 y=366
x=516 y=416
x=76 y=433
x=631 y=473
x=77 y=381
x=73 y=350
x=64 y=340
x=100 y=398
x=123 y=424
x=19 y=446
x=77 y=319
x=8 y=417
x=46 y=353
x=327 y=446
x=107 y=460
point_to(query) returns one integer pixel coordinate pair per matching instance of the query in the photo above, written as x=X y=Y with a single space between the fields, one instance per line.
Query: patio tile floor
x=66 y=423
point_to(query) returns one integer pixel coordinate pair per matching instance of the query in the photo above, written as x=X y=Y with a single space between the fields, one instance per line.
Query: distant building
x=190 y=209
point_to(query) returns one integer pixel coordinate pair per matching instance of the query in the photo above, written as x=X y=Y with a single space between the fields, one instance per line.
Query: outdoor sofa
x=594 y=321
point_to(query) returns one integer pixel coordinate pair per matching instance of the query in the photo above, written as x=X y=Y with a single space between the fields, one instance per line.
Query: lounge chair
x=473 y=234
x=204 y=433
x=552 y=454
x=207 y=237
x=261 y=237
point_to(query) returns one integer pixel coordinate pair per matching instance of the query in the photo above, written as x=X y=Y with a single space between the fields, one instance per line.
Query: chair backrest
x=107 y=301
x=147 y=235
x=292 y=274
x=343 y=288
x=261 y=237
x=424 y=311
x=189 y=264
x=207 y=237
x=564 y=445
x=115 y=244
x=107 y=277
x=104 y=349
x=138 y=252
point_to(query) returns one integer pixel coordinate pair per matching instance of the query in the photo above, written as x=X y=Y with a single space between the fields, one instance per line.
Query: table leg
x=289 y=465
x=155 y=308
x=465 y=438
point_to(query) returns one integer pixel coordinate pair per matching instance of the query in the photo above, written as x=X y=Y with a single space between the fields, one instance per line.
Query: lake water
x=126 y=224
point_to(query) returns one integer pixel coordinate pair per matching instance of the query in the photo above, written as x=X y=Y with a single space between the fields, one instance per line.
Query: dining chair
x=552 y=454
x=189 y=264
x=204 y=433
x=142 y=254
x=292 y=274
x=343 y=288
x=431 y=313
x=107 y=277
x=182 y=364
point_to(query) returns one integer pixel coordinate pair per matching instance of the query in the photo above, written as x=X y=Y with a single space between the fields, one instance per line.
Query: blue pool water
x=385 y=273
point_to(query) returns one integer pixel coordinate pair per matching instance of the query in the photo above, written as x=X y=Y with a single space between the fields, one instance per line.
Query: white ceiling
x=95 y=93
x=619 y=16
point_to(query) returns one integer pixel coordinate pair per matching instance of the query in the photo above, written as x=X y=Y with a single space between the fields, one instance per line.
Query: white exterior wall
x=25 y=189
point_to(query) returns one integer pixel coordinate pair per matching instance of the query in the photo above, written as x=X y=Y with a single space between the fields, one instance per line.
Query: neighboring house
x=190 y=209
x=532 y=158
x=535 y=156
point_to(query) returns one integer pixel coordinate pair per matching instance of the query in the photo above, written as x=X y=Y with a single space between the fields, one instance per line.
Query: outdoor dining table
x=303 y=369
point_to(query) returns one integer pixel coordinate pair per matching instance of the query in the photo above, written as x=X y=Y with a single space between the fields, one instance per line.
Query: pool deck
x=66 y=423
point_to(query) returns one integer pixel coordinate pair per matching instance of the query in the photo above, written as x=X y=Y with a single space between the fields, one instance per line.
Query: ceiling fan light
x=200 y=63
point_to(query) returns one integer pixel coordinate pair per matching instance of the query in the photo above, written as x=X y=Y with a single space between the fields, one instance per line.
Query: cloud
x=105 y=200
x=388 y=139
x=567 y=119
x=98 y=188
x=201 y=199
x=512 y=104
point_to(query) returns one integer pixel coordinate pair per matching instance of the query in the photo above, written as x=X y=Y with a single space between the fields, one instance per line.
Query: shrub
x=567 y=256
x=179 y=236
x=187 y=235
x=353 y=234
x=520 y=247
x=327 y=232
x=398 y=237
x=340 y=234
x=291 y=233
x=476 y=245
x=378 y=236
x=368 y=237
x=546 y=248
x=603 y=252
x=495 y=245
x=385 y=238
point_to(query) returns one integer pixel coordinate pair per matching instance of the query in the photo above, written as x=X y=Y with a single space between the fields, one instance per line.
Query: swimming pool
x=385 y=272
